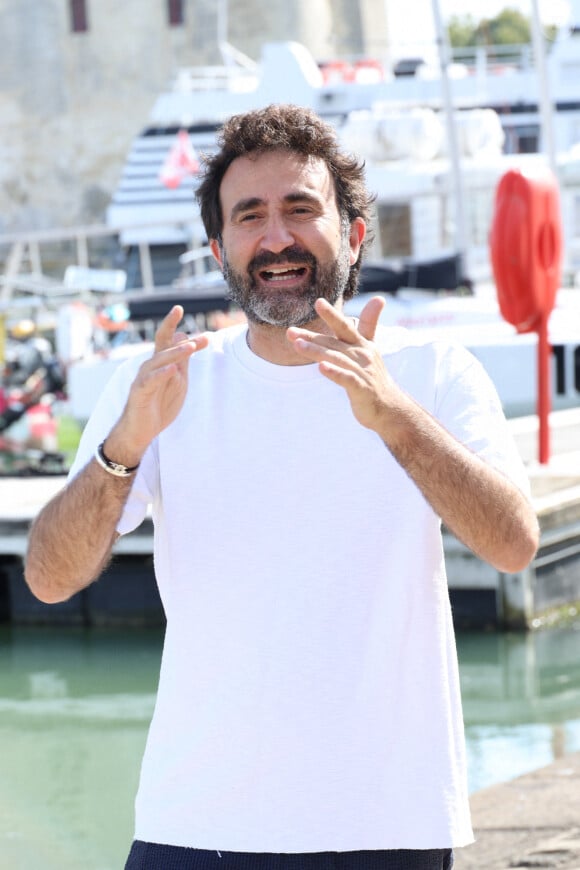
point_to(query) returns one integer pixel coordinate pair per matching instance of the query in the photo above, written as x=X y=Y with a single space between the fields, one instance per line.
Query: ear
x=216 y=251
x=358 y=231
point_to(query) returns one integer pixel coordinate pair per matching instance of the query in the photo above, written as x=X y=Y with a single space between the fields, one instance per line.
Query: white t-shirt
x=309 y=695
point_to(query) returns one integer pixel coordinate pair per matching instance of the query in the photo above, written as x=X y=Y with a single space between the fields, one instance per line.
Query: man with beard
x=299 y=469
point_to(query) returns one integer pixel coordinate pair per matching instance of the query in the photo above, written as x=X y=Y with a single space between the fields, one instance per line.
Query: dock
x=530 y=821
x=547 y=592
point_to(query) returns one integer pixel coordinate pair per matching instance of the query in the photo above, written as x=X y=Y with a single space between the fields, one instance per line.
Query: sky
x=412 y=29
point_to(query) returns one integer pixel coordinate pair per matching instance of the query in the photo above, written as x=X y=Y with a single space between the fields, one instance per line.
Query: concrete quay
x=545 y=593
x=531 y=821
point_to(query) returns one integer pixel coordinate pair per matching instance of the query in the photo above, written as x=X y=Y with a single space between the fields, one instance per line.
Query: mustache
x=293 y=254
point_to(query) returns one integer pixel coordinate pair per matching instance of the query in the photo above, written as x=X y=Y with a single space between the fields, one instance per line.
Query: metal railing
x=33 y=264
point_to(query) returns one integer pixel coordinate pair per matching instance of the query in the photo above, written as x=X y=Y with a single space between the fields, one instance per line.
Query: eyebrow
x=246 y=205
x=254 y=201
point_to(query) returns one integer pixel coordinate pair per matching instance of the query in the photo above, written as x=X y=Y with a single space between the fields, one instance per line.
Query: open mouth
x=284 y=273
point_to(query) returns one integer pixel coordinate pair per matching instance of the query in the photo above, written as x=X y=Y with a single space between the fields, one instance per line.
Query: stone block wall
x=71 y=103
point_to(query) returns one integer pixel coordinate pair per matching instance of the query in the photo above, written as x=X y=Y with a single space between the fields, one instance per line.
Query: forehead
x=275 y=175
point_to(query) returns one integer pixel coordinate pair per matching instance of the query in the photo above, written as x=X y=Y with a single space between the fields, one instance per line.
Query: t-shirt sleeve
x=107 y=411
x=468 y=405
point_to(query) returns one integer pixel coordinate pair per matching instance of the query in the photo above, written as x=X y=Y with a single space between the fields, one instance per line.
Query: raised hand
x=348 y=356
x=158 y=392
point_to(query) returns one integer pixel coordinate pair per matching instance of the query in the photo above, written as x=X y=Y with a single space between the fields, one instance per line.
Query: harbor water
x=75 y=706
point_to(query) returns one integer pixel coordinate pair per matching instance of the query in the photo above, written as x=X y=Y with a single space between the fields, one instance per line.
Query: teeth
x=276 y=274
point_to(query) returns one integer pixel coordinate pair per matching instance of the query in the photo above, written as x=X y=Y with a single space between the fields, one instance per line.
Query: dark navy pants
x=153 y=856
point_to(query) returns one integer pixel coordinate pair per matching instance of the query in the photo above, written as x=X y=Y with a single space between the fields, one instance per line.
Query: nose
x=276 y=236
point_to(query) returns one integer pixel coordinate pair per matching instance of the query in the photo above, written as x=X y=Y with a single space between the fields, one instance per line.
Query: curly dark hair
x=296 y=129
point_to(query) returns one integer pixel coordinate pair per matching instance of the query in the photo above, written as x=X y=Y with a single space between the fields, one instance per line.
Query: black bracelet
x=113 y=467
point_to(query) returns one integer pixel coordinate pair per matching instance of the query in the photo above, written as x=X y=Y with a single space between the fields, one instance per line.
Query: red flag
x=180 y=163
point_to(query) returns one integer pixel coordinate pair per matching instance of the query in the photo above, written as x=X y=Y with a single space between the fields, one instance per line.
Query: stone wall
x=70 y=103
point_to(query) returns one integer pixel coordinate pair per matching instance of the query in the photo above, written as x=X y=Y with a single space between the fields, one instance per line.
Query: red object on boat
x=181 y=161
x=526 y=242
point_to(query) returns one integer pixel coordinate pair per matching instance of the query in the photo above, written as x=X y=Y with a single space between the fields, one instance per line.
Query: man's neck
x=270 y=342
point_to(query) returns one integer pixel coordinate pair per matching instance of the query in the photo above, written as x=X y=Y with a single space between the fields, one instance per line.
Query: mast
x=454 y=153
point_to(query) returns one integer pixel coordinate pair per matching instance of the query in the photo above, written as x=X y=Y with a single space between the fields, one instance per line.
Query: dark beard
x=281 y=308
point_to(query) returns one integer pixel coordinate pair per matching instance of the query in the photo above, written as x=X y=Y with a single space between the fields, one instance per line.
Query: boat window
x=522 y=139
x=175 y=12
x=395 y=229
x=78 y=16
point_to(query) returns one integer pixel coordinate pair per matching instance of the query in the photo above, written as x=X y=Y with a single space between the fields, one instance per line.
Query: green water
x=74 y=712
x=75 y=708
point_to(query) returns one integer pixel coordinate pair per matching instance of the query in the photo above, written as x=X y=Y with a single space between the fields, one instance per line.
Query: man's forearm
x=71 y=539
x=476 y=502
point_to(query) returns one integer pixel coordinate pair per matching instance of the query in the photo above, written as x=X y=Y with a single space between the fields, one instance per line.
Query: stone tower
x=71 y=102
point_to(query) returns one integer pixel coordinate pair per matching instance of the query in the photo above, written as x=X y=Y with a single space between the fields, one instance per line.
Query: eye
x=302 y=210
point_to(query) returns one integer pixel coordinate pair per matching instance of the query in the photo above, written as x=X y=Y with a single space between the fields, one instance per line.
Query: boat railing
x=494 y=59
x=238 y=72
x=33 y=265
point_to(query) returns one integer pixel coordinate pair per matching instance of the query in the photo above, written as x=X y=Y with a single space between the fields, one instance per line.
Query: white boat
x=395 y=121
